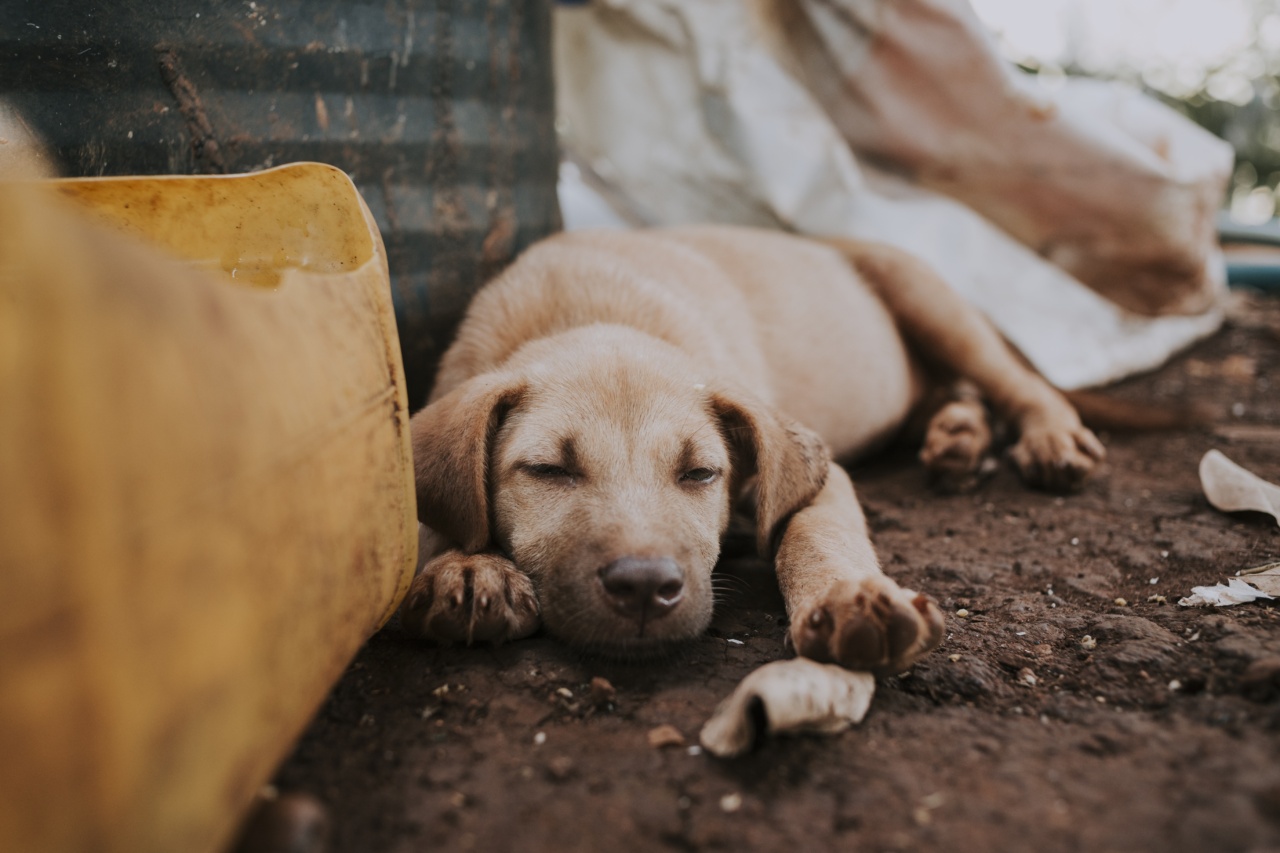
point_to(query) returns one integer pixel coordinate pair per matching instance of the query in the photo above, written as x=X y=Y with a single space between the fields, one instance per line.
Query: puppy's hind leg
x=1054 y=450
x=956 y=450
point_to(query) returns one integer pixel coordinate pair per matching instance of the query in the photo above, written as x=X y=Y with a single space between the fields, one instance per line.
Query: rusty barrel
x=441 y=112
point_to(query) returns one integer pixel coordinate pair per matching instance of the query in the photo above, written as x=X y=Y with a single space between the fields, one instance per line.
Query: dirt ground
x=1165 y=736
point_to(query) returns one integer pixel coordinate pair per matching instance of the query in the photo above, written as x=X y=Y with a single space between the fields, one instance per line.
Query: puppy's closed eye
x=699 y=476
x=547 y=471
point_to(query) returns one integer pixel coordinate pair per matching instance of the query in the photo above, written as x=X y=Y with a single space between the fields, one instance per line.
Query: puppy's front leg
x=467 y=598
x=842 y=607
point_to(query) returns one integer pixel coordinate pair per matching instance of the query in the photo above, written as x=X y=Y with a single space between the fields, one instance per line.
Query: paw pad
x=870 y=625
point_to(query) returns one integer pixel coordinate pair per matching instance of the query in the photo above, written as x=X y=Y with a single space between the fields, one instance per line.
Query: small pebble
x=1260 y=680
x=953 y=658
x=962 y=613
x=1156 y=599
x=1154 y=581
x=1120 y=602
x=295 y=822
x=694 y=750
x=540 y=738
x=735 y=642
x=602 y=692
x=1027 y=677
x=1088 y=642
x=730 y=803
x=1175 y=686
x=560 y=768
x=565 y=692
x=665 y=735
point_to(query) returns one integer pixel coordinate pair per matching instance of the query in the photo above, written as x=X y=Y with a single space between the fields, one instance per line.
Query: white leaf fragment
x=797 y=695
x=1234 y=591
x=1231 y=488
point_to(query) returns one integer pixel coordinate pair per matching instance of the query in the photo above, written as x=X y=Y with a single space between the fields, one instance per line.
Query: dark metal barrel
x=441 y=112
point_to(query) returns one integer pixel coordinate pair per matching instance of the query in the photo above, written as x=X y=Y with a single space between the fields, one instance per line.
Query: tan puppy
x=612 y=394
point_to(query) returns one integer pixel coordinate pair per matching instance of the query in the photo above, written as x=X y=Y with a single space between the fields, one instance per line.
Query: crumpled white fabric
x=894 y=120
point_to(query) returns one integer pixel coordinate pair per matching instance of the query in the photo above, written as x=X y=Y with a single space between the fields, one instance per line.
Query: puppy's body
x=786 y=318
x=610 y=396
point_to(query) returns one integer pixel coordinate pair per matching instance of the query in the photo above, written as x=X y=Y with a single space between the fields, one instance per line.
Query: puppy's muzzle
x=643 y=588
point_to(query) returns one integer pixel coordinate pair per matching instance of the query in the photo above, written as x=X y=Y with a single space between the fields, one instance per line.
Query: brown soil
x=506 y=749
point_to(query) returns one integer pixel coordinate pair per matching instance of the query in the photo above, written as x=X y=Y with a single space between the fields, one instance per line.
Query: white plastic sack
x=751 y=113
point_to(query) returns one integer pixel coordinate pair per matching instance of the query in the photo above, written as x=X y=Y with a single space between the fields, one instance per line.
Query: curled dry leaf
x=1231 y=488
x=797 y=695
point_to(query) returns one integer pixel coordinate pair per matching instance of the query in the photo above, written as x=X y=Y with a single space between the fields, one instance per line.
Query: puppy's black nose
x=646 y=587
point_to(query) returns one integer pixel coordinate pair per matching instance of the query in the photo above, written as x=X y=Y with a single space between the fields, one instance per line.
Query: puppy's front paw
x=872 y=624
x=1056 y=457
x=467 y=598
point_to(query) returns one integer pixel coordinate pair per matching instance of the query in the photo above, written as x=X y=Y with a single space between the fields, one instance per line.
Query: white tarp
x=894 y=120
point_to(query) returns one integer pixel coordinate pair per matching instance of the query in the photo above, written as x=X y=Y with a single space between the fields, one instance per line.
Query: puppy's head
x=605 y=467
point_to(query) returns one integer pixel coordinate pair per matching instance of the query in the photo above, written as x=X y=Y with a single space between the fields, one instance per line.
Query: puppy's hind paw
x=1059 y=458
x=956 y=447
x=872 y=624
x=469 y=598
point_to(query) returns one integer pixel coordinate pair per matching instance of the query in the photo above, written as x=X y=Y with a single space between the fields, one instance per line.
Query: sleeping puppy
x=613 y=395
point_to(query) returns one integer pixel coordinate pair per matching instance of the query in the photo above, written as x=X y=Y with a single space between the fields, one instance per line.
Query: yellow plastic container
x=206 y=493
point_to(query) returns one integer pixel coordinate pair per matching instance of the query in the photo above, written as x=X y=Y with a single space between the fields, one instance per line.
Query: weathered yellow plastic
x=206 y=493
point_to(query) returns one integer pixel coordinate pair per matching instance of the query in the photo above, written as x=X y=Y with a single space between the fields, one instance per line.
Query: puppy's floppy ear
x=452 y=439
x=789 y=461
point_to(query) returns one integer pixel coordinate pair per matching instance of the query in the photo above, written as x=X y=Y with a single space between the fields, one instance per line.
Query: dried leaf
x=1231 y=488
x=797 y=695
x=1265 y=578
x=1235 y=591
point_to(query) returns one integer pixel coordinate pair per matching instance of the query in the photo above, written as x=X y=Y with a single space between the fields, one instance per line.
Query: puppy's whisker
x=581 y=613
x=721 y=579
